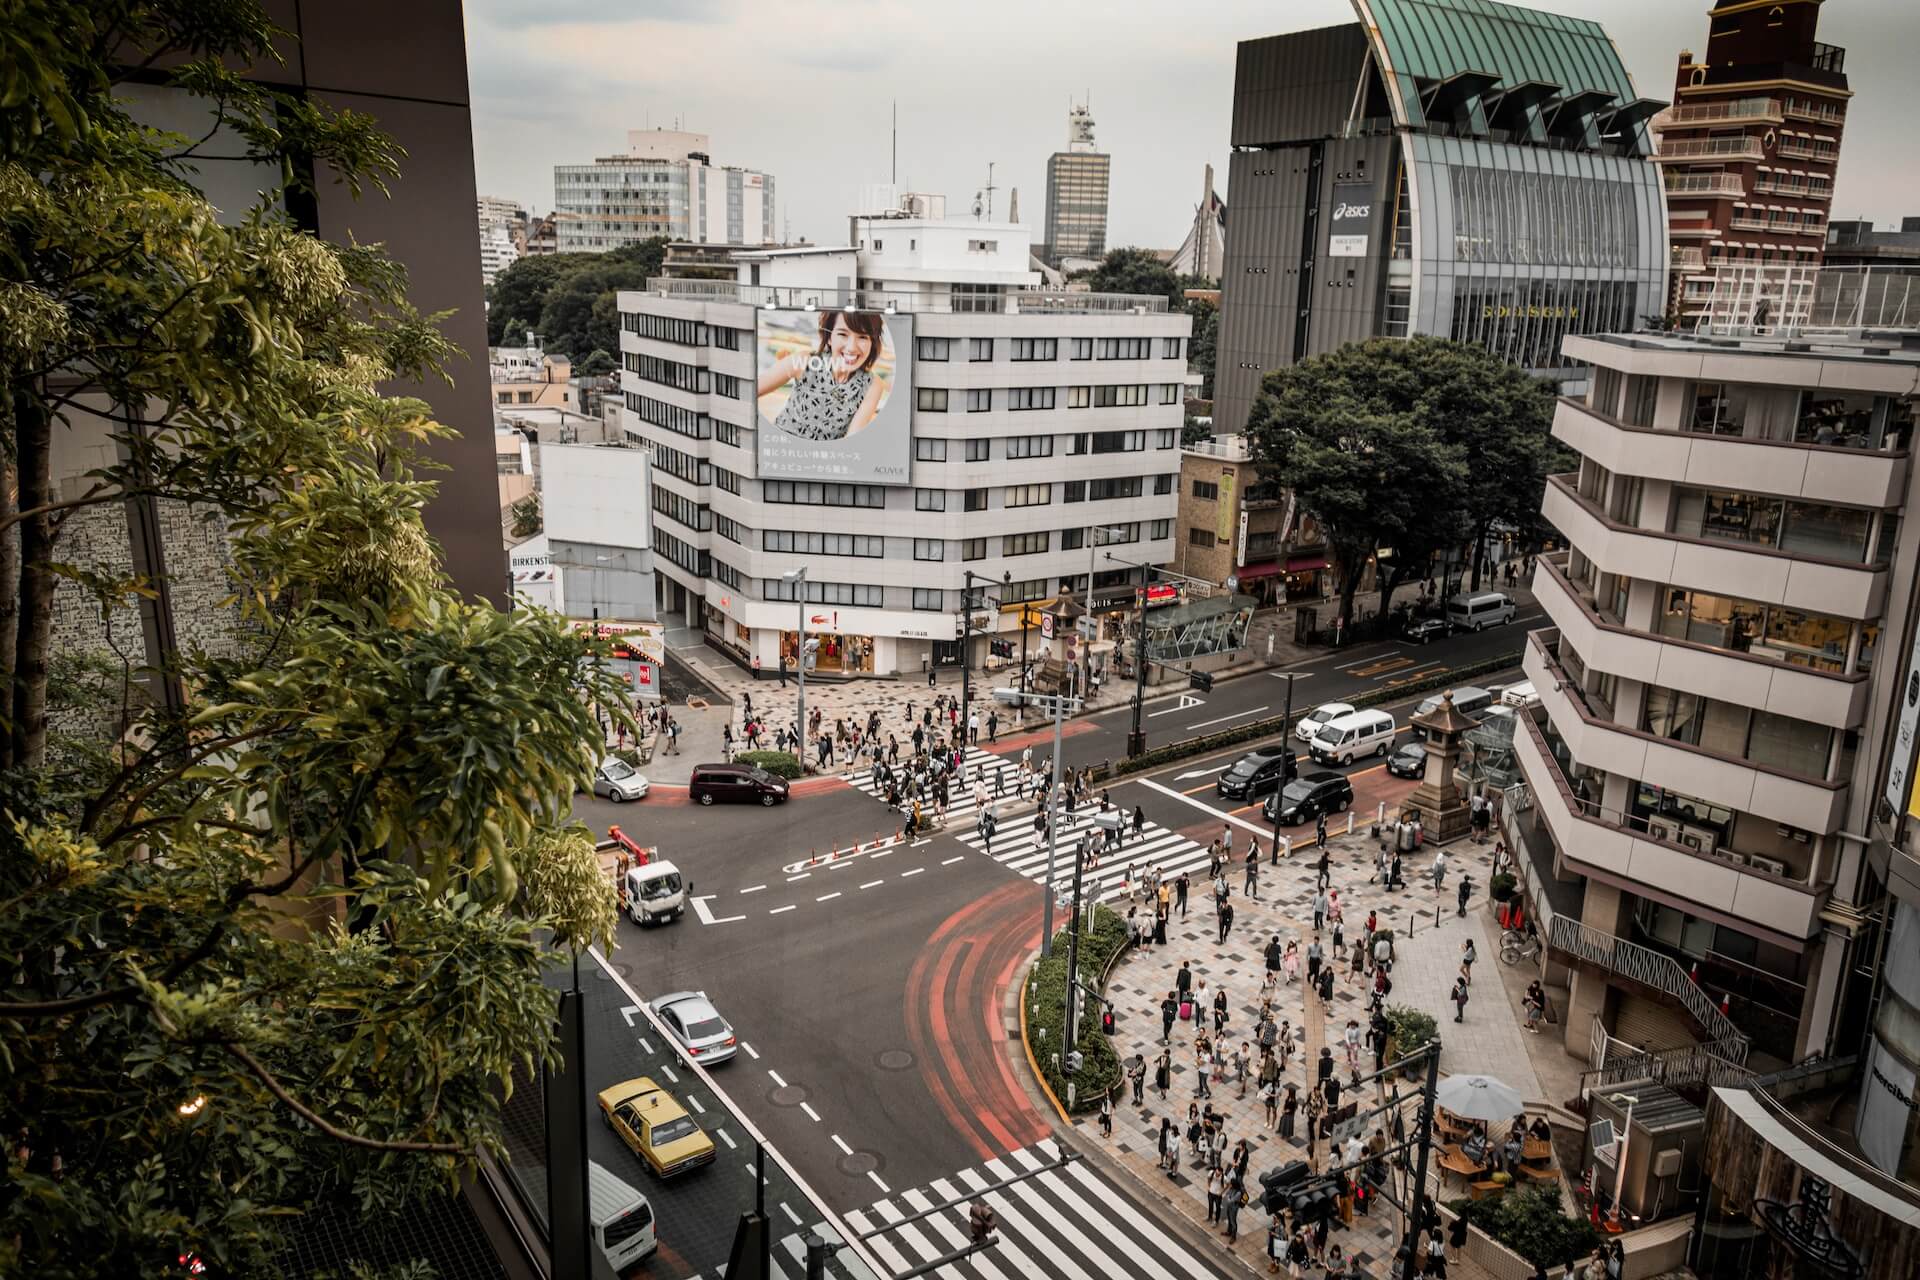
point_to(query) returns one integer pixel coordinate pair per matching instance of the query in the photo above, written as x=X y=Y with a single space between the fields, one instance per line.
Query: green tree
x=570 y=299
x=279 y=946
x=1366 y=450
x=597 y=364
x=1204 y=344
x=526 y=517
x=1135 y=270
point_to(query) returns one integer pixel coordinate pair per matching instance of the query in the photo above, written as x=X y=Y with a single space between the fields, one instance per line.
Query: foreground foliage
x=1045 y=999
x=273 y=911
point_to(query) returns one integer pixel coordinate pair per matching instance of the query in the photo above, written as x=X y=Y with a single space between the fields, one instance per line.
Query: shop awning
x=1306 y=564
x=1270 y=569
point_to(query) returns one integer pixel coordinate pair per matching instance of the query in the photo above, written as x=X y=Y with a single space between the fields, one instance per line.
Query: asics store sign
x=1352 y=219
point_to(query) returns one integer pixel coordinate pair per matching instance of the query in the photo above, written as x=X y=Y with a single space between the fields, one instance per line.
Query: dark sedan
x=1421 y=630
x=1309 y=796
x=1409 y=761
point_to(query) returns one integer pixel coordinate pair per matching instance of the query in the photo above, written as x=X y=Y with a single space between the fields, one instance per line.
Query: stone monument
x=1442 y=805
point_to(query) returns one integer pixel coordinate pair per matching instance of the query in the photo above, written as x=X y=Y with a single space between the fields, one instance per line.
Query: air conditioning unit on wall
x=1773 y=865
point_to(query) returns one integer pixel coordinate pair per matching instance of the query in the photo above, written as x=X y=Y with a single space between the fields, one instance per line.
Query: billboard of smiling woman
x=836 y=396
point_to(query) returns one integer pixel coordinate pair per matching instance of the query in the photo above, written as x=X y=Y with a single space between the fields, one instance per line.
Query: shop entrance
x=835 y=654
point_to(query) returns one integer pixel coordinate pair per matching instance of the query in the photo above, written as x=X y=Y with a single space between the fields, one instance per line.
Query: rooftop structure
x=665 y=185
x=1077 y=187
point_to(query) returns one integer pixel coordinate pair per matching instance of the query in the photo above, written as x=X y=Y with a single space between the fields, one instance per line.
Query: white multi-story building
x=1719 y=688
x=1045 y=430
x=665 y=185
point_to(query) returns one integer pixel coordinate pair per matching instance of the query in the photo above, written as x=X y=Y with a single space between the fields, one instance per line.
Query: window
x=503 y=397
x=724 y=338
x=1119 y=394
x=1125 y=348
x=1024 y=544
x=854 y=593
x=1815 y=529
x=1077 y=443
x=980 y=450
x=731 y=530
x=1029 y=446
x=1118 y=487
x=726 y=385
x=686 y=511
x=524 y=397
x=929 y=499
x=1029 y=495
x=929 y=599
x=1030 y=397
x=684 y=465
x=1200 y=537
x=979 y=349
x=1774 y=632
x=929 y=549
x=728 y=480
x=727 y=432
x=681 y=421
x=1072 y=539
x=822 y=544
x=1079 y=397
x=1165 y=438
x=807 y=493
x=1169 y=393
x=927 y=449
x=1398 y=311
x=1074 y=491
x=933 y=348
x=687 y=333
x=1642 y=392
x=1031 y=589
x=1206 y=490
x=1161 y=529
x=931 y=399
x=724 y=572
x=973 y=549
x=1082 y=349
x=975 y=500
x=1119 y=441
x=1169 y=348
x=979 y=399
x=671 y=373
x=1036 y=349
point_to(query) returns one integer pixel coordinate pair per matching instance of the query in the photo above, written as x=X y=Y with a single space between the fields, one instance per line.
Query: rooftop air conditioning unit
x=1728 y=855
x=1772 y=865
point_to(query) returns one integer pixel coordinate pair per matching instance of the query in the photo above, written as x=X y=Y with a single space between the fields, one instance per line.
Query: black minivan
x=713 y=782
x=1257 y=772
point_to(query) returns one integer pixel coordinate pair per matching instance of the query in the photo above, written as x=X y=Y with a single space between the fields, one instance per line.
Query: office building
x=1035 y=434
x=1460 y=168
x=1856 y=243
x=1719 y=681
x=1749 y=147
x=1077 y=181
x=1236 y=525
x=665 y=185
x=503 y=235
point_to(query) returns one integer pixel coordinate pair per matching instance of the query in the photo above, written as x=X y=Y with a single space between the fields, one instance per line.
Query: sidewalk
x=1428 y=937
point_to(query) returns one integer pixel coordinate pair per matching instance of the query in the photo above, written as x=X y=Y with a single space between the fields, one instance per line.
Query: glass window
x=1074 y=491
x=1200 y=537
x=1072 y=539
x=979 y=399
x=927 y=598
x=1162 y=529
x=931 y=399
x=1024 y=544
x=1030 y=397
x=979 y=349
x=980 y=450
x=929 y=499
x=929 y=549
x=1804 y=639
x=933 y=348
x=1082 y=349
x=1036 y=349
x=1029 y=446
x=973 y=549
x=1824 y=530
x=1206 y=490
x=1079 y=397
x=976 y=500
x=1794 y=745
x=928 y=449
x=1163 y=483
x=1029 y=495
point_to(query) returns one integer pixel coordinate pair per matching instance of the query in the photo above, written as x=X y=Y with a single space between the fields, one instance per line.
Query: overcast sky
x=804 y=90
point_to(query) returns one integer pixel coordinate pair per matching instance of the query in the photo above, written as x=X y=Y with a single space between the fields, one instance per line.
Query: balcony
x=1748 y=224
x=1765 y=186
x=1726 y=781
x=1740 y=111
x=1764 y=684
x=1656 y=970
x=1688 y=260
x=1792 y=150
x=1704 y=184
x=1817 y=112
x=1766 y=575
x=1013 y=301
x=1687 y=150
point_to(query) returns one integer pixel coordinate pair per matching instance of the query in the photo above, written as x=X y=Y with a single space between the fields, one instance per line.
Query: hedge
x=1044 y=997
x=1533 y=1222
x=1413 y=1029
x=781 y=764
x=1205 y=743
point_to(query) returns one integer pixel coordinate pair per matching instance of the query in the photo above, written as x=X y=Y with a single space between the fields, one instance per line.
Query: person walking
x=1226 y=920
x=1251 y=886
x=1219 y=1010
x=1169 y=1012
x=1139 y=823
x=973 y=728
x=1137 y=1076
x=1319 y=910
x=1459 y=998
x=1272 y=955
x=1320 y=832
x=1106 y=1116
x=1315 y=957
x=1467 y=957
x=1339 y=938
x=1439 y=871
x=1466 y=891
x=1201 y=1064
x=931 y=676
x=1180 y=893
x=783 y=671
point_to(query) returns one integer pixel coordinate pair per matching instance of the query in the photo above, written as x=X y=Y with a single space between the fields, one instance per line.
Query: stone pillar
x=1442 y=805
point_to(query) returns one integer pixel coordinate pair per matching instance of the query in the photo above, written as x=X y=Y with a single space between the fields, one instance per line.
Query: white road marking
x=815 y=1115
x=876 y=1177
x=645 y=1046
x=1205 y=808
x=667 y=1071
x=841 y=1143
x=842 y=866
x=1187 y=703
x=789 y=1208
x=871 y=883
x=827 y=897
x=750 y=1052
x=1203 y=773
x=702 y=1110
x=777 y=910
x=804 y=874
x=627 y=1011
x=705 y=913
x=755 y=889
x=929 y=840
x=1201 y=724
x=1291 y=675
x=728 y=1139
x=883 y=853
x=775 y=1075
x=947 y=862
x=916 y=871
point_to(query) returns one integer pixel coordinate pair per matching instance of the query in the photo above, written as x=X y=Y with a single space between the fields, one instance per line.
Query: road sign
x=1348 y=1128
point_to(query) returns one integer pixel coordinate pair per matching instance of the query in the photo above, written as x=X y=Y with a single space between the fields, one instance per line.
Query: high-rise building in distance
x=665 y=185
x=1077 y=181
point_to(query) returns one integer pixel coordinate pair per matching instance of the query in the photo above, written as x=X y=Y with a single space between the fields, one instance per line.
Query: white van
x=1486 y=609
x=1351 y=736
x=1520 y=695
x=1469 y=700
x=622 y=1219
x=655 y=892
x=1318 y=718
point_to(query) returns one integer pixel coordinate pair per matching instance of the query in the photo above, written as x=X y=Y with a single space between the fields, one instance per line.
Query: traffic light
x=1201 y=680
x=1106 y=1021
x=980 y=1221
x=1315 y=1202
x=1275 y=1184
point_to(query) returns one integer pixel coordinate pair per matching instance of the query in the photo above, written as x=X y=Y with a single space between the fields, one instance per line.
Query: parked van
x=1520 y=695
x=656 y=891
x=1310 y=726
x=621 y=1217
x=1469 y=700
x=1485 y=609
x=1350 y=736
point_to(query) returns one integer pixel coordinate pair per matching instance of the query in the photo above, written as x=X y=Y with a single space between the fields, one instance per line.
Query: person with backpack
x=1459 y=999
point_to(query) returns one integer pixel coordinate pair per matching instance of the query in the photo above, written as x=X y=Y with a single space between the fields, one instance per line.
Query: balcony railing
x=1766 y=186
x=1705 y=184
x=1743 y=109
x=1653 y=969
x=1009 y=302
x=1614 y=1062
x=1711 y=149
x=1748 y=224
x=1796 y=110
x=1804 y=151
x=1689 y=260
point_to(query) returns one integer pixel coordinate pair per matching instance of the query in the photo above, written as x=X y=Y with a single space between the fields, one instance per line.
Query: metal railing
x=1772 y=300
x=1765 y=186
x=1227 y=448
x=1689 y=260
x=1755 y=109
x=1612 y=1062
x=1712 y=149
x=1653 y=969
x=1704 y=184
x=1009 y=302
x=1796 y=110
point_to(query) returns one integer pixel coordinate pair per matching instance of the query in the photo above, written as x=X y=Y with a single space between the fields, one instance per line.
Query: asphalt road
x=871 y=989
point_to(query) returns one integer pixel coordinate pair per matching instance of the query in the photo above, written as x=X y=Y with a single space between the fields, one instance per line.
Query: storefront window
x=848 y=655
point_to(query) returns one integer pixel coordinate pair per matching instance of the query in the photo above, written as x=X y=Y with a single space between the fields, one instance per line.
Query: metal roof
x=1417 y=41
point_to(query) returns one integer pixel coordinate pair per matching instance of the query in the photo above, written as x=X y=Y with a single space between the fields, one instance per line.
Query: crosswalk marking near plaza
x=1066 y=1222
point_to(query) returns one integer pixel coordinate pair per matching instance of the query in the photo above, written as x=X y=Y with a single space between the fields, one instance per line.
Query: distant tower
x=1077 y=182
x=1013 y=206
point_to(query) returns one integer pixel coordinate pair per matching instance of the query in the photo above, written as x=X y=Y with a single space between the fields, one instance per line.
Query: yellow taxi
x=656 y=1126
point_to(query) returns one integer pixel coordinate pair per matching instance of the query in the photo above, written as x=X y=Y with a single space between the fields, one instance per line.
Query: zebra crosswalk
x=1067 y=1222
x=1017 y=846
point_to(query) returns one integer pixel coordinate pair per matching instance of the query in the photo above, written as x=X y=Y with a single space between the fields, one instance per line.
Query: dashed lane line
x=828 y=897
x=947 y=862
x=728 y=1139
x=777 y=910
x=916 y=871
x=775 y=1077
x=841 y=1143
x=871 y=883
x=811 y=1113
x=750 y=1051
x=754 y=889
x=667 y=1071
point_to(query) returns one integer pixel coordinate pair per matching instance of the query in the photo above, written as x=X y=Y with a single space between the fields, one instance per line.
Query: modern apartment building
x=1749 y=148
x=1461 y=168
x=1077 y=182
x=665 y=185
x=1719 y=685
x=503 y=234
x=1037 y=448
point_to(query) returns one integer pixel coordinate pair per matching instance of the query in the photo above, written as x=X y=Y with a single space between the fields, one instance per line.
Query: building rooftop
x=1888 y=348
x=1017 y=301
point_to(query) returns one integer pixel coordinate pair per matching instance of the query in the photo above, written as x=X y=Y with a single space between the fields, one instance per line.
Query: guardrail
x=1688 y=1065
x=1654 y=969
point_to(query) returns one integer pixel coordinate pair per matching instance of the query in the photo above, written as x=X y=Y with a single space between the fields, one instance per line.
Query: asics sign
x=1347 y=230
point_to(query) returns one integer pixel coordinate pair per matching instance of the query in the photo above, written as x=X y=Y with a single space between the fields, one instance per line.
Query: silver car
x=619 y=781
x=703 y=1034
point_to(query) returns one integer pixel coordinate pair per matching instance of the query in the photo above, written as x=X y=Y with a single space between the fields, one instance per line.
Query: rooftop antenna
x=990 y=191
x=895 y=178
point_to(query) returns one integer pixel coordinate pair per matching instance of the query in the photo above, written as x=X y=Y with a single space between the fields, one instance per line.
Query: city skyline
x=558 y=83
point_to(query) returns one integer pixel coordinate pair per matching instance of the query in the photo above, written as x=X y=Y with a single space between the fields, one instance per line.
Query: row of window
x=672 y=417
x=850 y=593
x=1103 y=396
x=671 y=373
x=687 y=333
x=693 y=515
x=932 y=550
x=822 y=544
x=1028 y=349
x=684 y=465
x=687 y=556
x=808 y=493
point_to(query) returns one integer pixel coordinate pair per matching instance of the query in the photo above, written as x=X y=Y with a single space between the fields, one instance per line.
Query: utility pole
x=1419 y=1198
x=1286 y=746
x=1137 y=738
x=1060 y=706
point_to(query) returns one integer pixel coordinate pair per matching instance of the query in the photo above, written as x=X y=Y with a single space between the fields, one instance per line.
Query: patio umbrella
x=1478 y=1098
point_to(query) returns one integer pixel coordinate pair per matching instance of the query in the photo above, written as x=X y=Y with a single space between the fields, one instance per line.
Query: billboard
x=835 y=396
x=1901 y=794
x=1352 y=216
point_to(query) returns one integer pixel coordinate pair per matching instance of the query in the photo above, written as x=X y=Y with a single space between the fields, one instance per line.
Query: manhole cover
x=697 y=704
x=787 y=1095
x=859 y=1164
x=895 y=1060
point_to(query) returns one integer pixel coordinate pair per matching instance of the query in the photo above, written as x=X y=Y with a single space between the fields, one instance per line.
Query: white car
x=703 y=1034
x=619 y=781
x=1317 y=719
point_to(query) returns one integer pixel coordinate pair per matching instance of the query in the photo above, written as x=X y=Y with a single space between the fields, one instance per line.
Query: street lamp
x=1287 y=771
x=798 y=577
x=966 y=638
x=1060 y=705
x=1137 y=736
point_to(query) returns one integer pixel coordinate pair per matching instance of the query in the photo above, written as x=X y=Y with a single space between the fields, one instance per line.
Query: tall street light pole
x=1137 y=738
x=798 y=577
x=1288 y=771
x=1059 y=706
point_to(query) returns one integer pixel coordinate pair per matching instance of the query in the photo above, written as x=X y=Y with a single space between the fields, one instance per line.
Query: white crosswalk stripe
x=1016 y=844
x=1067 y=1222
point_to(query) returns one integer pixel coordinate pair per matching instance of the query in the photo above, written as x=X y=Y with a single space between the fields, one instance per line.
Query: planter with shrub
x=1501 y=887
x=781 y=764
x=1044 y=1000
x=1412 y=1031
x=1532 y=1222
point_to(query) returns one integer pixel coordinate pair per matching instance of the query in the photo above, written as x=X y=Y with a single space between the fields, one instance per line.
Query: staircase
x=1656 y=970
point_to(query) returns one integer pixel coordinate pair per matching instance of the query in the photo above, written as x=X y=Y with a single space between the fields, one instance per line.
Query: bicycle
x=1517 y=945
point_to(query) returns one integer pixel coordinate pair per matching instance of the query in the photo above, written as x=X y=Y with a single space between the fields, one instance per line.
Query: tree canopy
x=274 y=941
x=1406 y=445
x=570 y=299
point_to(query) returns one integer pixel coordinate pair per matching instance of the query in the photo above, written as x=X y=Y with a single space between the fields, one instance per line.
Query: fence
x=1615 y=1062
x=1654 y=969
